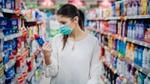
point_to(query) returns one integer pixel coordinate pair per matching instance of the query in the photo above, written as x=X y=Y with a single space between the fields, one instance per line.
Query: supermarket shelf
x=139 y=68
x=12 y=36
x=139 y=17
x=122 y=17
x=110 y=66
x=114 y=70
x=31 y=74
x=142 y=43
x=11 y=11
x=7 y=10
x=96 y=19
x=113 y=18
x=10 y=64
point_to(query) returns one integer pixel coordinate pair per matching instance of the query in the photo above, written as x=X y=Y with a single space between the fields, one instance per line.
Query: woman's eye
x=63 y=22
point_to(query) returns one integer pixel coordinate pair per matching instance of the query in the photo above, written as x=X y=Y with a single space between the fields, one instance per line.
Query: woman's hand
x=47 y=53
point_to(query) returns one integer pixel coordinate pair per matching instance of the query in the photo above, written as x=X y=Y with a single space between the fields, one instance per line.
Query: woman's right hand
x=47 y=53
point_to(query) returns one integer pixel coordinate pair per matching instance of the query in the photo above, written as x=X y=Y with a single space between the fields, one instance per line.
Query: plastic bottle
x=146 y=80
x=137 y=30
x=135 y=8
x=127 y=50
x=141 y=31
x=136 y=55
x=140 y=56
x=134 y=30
x=145 y=58
x=129 y=29
x=149 y=7
x=123 y=29
x=148 y=60
x=140 y=78
x=39 y=40
x=132 y=49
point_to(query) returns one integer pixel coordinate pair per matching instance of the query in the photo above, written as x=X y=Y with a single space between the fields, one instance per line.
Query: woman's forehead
x=61 y=18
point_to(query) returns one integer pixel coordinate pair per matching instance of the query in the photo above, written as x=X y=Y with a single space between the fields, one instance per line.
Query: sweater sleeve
x=52 y=69
x=96 y=68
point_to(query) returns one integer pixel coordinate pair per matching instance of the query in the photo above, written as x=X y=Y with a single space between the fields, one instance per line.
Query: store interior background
x=121 y=26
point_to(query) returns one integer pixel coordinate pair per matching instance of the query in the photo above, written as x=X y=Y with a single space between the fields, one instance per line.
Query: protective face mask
x=65 y=30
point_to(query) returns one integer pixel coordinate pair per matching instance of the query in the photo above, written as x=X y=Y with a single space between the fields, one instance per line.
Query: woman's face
x=66 y=21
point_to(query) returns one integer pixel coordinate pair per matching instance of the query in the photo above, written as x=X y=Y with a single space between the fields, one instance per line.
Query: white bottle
x=146 y=80
x=145 y=61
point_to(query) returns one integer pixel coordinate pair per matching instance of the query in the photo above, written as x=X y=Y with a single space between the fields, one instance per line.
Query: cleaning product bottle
x=129 y=29
x=140 y=56
x=127 y=50
x=141 y=31
x=123 y=29
x=145 y=57
x=136 y=55
x=149 y=7
x=140 y=78
x=132 y=49
x=39 y=40
x=147 y=80
x=148 y=61
x=134 y=30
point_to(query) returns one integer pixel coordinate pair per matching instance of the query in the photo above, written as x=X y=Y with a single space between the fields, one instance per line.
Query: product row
x=21 y=62
x=136 y=54
x=121 y=8
x=132 y=29
x=8 y=26
x=10 y=4
x=126 y=7
x=125 y=73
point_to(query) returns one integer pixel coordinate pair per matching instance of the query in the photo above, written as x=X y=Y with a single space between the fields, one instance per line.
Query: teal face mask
x=65 y=30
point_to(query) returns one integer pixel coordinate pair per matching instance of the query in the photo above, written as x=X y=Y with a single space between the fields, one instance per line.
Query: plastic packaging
x=145 y=58
x=39 y=40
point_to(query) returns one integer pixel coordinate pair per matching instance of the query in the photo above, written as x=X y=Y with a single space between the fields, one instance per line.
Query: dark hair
x=71 y=11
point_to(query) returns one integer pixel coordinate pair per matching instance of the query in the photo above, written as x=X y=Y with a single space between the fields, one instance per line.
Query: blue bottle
x=39 y=40
x=140 y=56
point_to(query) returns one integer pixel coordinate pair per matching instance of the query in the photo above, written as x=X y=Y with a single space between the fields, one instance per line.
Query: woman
x=73 y=56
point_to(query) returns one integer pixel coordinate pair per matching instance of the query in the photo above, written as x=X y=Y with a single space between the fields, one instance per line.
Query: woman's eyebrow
x=62 y=22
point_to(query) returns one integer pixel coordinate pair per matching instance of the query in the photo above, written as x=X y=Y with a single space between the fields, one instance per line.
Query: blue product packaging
x=10 y=74
x=3 y=23
x=141 y=31
x=140 y=56
x=14 y=25
x=136 y=55
x=114 y=9
x=5 y=59
x=122 y=8
x=8 y=4
x=1 y=3
x=39 y=40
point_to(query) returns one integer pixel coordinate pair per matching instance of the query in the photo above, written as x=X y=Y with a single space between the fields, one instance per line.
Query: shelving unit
x=116 y=53
x=120 y=18
x=21 y=58
x=142 y=43
x=12 y=36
